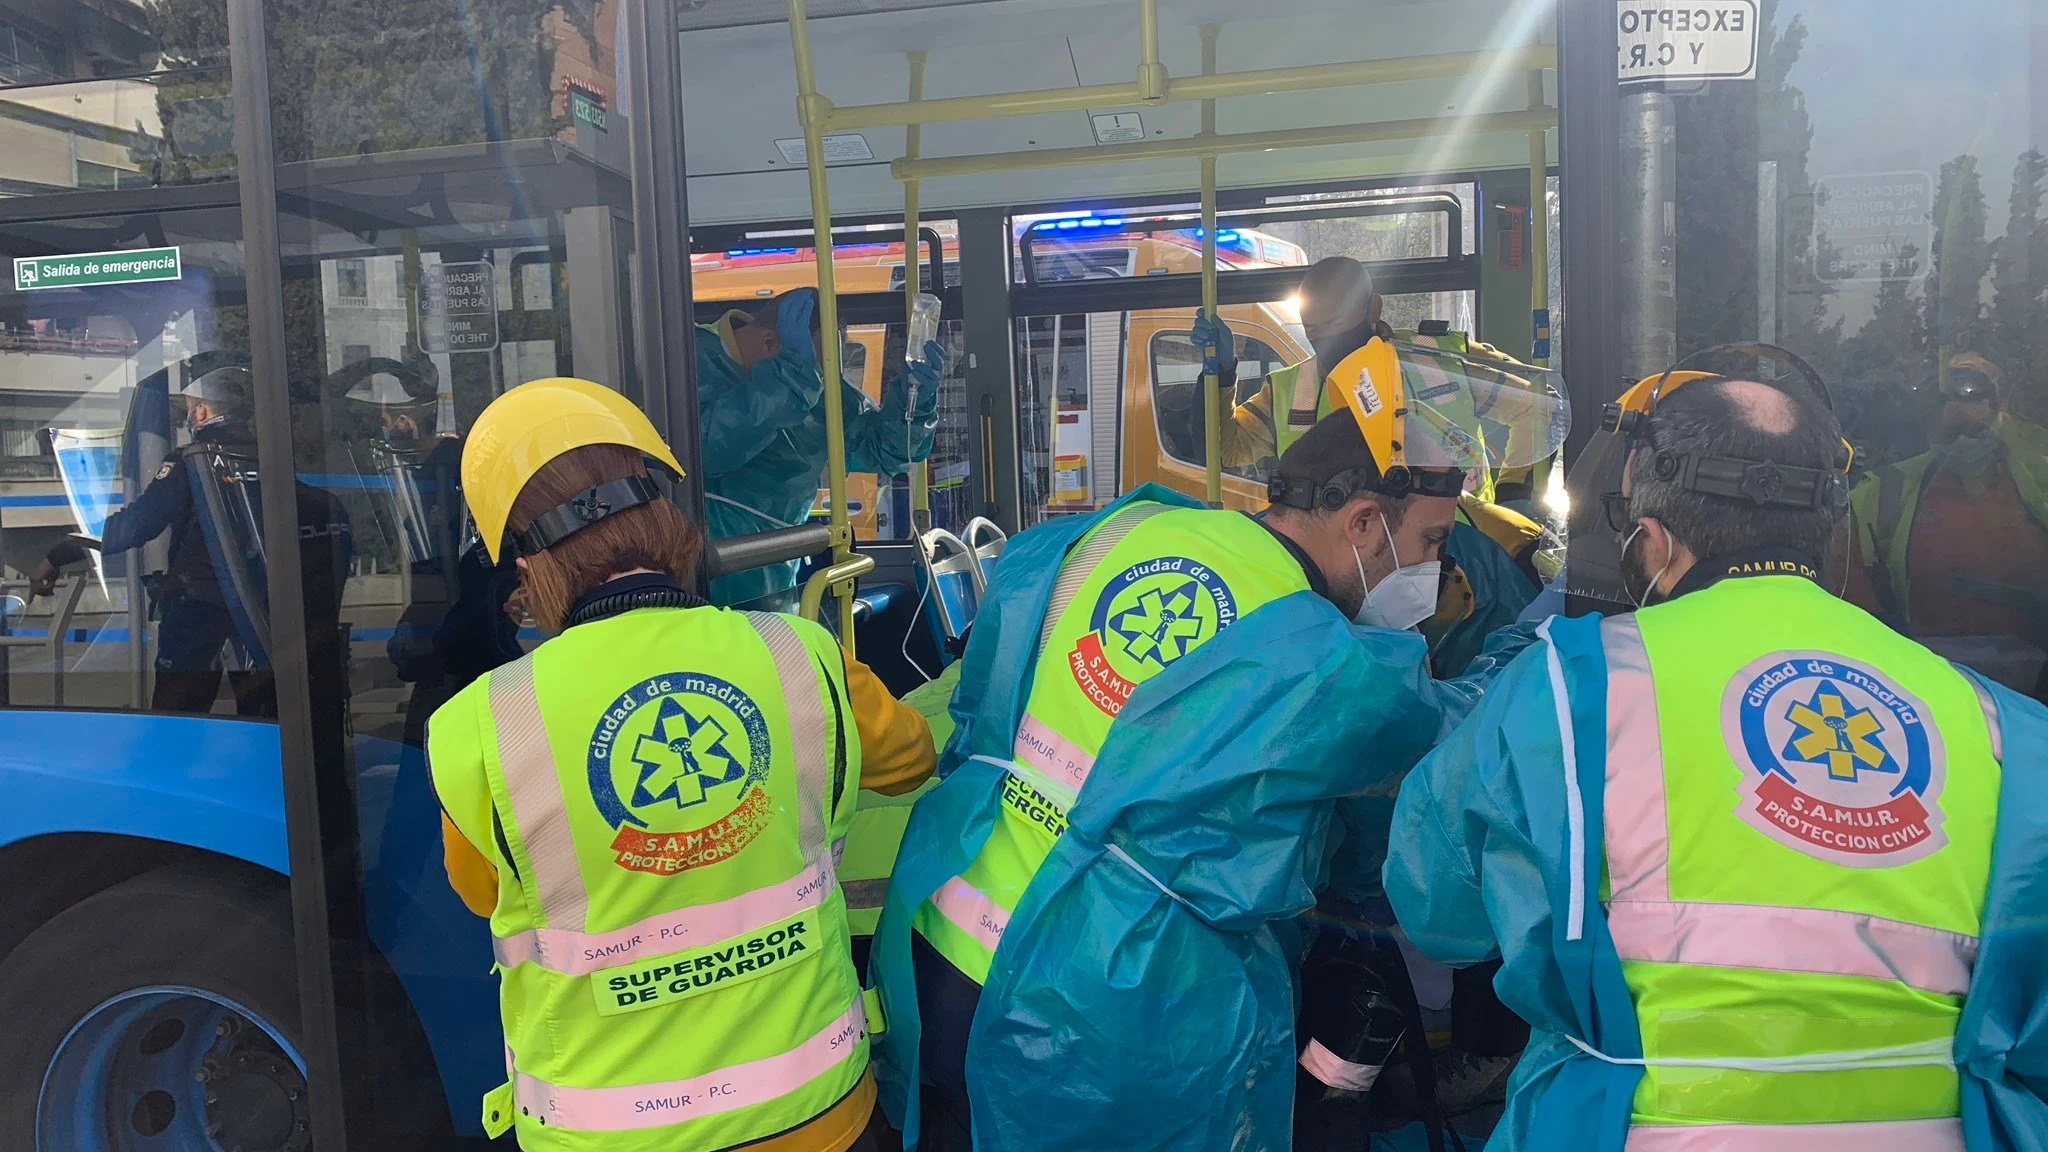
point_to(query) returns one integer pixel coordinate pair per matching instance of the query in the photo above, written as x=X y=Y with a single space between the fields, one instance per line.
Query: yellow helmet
x=1429 y=416
x=532 y=424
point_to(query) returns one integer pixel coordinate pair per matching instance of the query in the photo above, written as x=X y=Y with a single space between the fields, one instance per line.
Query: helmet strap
x=609 y=499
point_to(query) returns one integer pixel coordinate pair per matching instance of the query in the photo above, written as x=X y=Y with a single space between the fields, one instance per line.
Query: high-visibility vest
x=1139 y=592
x=871 y=846
x=1799 y=807
x=667 y=787
x=1886 y=504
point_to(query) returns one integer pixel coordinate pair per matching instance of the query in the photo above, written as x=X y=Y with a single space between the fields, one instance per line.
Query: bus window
x=130 y=542
x=1384 y=239
x=760 y=266
x=1839 y=214
x=1176 y=395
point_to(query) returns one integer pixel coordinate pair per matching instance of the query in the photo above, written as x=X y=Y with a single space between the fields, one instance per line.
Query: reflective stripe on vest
x=554 y=882
x=676 y=1101
x=1054 y=764
x=1648 y=925
x=581 y=953
x=1944 y=1135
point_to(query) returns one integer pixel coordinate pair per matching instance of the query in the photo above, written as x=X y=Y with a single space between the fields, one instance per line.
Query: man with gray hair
x=1749 y=858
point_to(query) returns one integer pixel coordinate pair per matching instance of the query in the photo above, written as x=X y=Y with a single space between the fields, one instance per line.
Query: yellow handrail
x=1212 y=392
x=1380 y=131
x=811 y=109
x=1258 y=82
x=839 y=577
x=1539 y=217
x=913 y=282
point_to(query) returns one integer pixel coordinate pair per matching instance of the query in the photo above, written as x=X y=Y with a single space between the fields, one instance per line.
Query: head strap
x=609 y=499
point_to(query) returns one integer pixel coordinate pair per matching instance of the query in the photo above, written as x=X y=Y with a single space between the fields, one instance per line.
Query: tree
x=2019 y=314
x=1962 y=259
x=353 y=77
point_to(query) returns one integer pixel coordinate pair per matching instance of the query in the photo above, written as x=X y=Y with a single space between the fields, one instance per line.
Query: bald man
x=1735 y=849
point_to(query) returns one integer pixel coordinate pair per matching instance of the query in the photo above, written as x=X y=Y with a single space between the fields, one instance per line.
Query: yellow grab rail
x=913 y=282
x=839 y=578
x=811 y=110
x=1187 y=89
x=1375 y=132
x=1212 y=392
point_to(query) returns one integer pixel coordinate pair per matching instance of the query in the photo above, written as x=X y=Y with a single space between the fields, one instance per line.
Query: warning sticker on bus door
x=1677 y=40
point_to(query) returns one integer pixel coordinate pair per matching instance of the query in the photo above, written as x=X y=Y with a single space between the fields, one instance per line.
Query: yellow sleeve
x=469 y=873
x=896 y=753
x=1248 y=436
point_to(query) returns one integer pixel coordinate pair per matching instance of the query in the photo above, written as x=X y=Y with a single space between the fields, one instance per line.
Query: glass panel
x=758 y=459
x=97 y=97
x=1176 y=396
x=144 y=525
x=136 y=684
x=1839 y=212
x=422 y=277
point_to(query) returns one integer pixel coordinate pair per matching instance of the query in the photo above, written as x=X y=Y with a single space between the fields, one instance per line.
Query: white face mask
x=1405 y=598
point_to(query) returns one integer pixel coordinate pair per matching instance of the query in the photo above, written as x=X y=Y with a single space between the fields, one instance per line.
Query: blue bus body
x=215 y=785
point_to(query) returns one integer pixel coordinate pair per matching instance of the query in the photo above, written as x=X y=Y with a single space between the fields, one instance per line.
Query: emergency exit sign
x=1686 y=40
x=91 y=269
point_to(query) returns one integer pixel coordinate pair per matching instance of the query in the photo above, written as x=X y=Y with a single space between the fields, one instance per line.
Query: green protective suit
x=765 y=448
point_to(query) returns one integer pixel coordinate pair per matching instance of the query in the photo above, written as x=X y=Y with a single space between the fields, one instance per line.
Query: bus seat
x=871 y=600
x=952 y=581
x=986 y=541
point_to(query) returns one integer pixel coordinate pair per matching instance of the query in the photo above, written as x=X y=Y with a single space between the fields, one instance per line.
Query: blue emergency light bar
x=1071 y=223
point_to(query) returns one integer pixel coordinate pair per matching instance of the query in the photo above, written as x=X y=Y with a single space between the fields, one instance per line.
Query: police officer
x=198 y=606
x=648 y=807
x=1159 y=706
x=1736 y=849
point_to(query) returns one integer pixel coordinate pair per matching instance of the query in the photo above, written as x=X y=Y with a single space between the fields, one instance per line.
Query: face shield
x=1434 y=419
x=1594 y=482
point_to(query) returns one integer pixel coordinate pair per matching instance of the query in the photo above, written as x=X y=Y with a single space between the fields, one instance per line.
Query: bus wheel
x=160 y=1015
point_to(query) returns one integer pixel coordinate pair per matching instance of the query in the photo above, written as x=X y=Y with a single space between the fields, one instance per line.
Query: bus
x=224 y=921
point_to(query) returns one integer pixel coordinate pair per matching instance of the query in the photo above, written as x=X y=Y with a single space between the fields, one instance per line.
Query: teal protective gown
x=1141 y=997
x=1477 y=871
x=1500 y=591
x=764 y=447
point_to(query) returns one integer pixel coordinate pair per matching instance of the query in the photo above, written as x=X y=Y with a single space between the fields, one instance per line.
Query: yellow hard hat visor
x=1426 y=409
x=528 y=426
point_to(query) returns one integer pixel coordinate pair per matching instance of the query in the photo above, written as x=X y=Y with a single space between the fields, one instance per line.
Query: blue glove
x=1211 y=331
x=793 y=324
x=924 y=379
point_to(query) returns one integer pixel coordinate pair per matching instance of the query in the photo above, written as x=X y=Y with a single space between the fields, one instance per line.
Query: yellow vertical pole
x=812 y=110
x=1212 y=392
x=1151 y=70
x=920 y=472
x=1539 y=224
